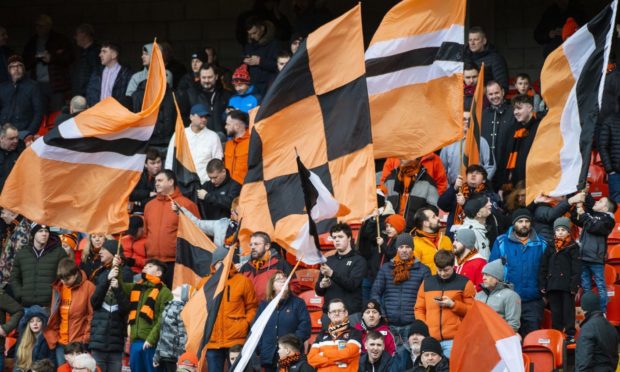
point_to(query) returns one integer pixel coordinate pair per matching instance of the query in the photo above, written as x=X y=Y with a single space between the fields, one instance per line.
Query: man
x=597 y=223
x=428 y=240
x=409 y=188
x=376 y=359
x=34 y=268
x=110 y=79
x=452 y=157
x=373 y=320
x=337 y=347
x=20 y=100
x=523 y=138
x=147 y=297
x=263 y=264
x=498 y=127
x=204 y=144
x=431 y=163
x=341 y=276
x=397 y=285
x=87 y=61
x=469 y=262
x=237 y=148
x=499 y=295
x=260 y=53
x=145 y=189
x=522 y=249
x=192 y=78
x=291 y=356
x=76 y=105
x=10 y=149
x=443 y=300
x=479 y=51
x=479 y=218
x=597 y=344
x=470 y=80
x=141 y=75
x=246 y=98
x=283 y=58
x=161 y=223
x=217 y=194
x=209 y=92
x=431 y=357
x=406 y=357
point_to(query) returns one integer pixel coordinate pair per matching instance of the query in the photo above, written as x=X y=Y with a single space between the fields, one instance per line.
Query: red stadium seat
x=315 y=320
x=597 y=177
x=313 y=301
x=527 y=363
x=304 y=280
x=545 y=348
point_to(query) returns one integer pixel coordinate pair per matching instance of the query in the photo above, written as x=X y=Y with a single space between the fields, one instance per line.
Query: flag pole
x=378 y=229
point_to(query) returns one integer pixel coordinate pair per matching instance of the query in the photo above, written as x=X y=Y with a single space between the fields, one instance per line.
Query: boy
x=246 y=98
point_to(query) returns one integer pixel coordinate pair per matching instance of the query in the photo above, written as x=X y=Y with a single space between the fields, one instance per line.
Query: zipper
x=441 y=315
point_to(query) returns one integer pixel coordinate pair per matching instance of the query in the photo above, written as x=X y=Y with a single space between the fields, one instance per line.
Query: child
x=71 y=351
x=245 y=99
x=560 y=271
x=523 y=85
x=31 y=345
x=172 y=336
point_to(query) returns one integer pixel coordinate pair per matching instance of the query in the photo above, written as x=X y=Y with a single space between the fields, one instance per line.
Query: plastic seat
x=526 y=363
x=315 y=321
x=613 y=250
x=313 y=301
x=545 y=348
x=307 y=277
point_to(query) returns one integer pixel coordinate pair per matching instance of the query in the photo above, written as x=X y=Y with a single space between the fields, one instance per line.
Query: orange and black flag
x=471 y=151
x=318 y=105
x=200 y=312
x=194 y=253
x=183 y=163
x=414 y=69
x=80 y=174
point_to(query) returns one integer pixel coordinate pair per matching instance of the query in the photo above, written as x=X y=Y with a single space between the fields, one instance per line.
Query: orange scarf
x=259 y=263
x=401 y=269
x=288 y=361
x=460 y=261
x=433 y=237
x=407 y=174
x=562 y=243
x=459 y=213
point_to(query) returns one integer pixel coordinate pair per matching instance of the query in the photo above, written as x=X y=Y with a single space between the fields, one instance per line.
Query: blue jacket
x=398 y=300
x=291 y=316
x=522 y=263
x=245 y=102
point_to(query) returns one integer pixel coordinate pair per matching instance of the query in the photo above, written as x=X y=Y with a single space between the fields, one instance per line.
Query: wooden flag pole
x=378 y=229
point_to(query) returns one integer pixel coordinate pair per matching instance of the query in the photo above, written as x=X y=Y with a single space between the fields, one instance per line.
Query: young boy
x=71 y=351
x=172 y=337
x=560 y=272
x=282 y=59
x=523 y=84
x=245 y=99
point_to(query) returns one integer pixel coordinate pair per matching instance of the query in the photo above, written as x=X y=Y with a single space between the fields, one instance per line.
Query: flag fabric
x=194 y=253
x=183 y=163
x=572 y=81
x=318 y=104
x=320 y=205
x=497 y=347
x=200 y=312
x=471 y=152
x=414 y=69
x=80 y=174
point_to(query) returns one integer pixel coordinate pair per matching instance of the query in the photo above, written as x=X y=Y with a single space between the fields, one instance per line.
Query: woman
x=90 y=253
x=31 y=345
x=516 y=198
x=290 y=316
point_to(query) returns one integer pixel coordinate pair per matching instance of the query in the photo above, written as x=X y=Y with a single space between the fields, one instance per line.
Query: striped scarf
x=147 y=311
x=288 y=361
x=335 y=331
x=459 y=213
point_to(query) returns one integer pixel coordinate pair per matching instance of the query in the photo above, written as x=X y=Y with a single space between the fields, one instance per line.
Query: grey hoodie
x=141 y=75
x=505 y=302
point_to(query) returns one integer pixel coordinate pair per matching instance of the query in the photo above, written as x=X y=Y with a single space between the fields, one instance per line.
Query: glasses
x=337 y=311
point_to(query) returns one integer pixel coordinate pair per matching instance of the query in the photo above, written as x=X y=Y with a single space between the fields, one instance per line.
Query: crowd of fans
x=394 y=289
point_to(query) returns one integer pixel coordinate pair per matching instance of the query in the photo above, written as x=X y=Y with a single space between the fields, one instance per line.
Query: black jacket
x=8 y=160
x=21 y=105
x=495 y=67
x=518 y=174
x=10 y=307
x=442 y=366
x=93 y=89
x=498 y=126
x=267 y=49
x=141 y=193
x=216 y=101
x=61 y=56
x=597 y=345
x=87 y=63
x=543 y=217
x=166 y=119
x=560 y=270
x=382 y=365
x=609 y=143
x=218 y=200
x=301 y=366
x=596 y=228
x=349 y=271
x=367 y=245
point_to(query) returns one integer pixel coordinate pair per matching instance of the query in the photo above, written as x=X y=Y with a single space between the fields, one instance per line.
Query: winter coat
x=260 y=277
x=141 y=194
x=161 y=224
x=443 y=322
x=593 y=241
x=560 y=270
x=61 y=57
x=247 y=101
x=504 y=301
x=384 y=329
x=237 y=310
x=172 y=336
x=382 y=365
x=522 y=263
x=422 y=192
x=472 y=269
x=93 y=89
x=10 y=307
x=87 y=63
x=442 y=366
x=218 y=200
x=495 y=67
x=597 y=345
x=397 y=300
x=134 y=251
x=367 y=245
x=451 y=159
x=166 y=118
x=543 y=217
x=431 y=162
x=267 y=48
x=498 y=127
x=40 y=350
x=482 y=240
x=216 y=101
x=236 y=154
x=108 y=328
x=32 y=277
x=609 y=144
x=8 y=160
x=424 y=249
x=290 y=316
x=21 y=105
x=339 y=355
x=518 y=174
x=349 y=271
x=140 y=77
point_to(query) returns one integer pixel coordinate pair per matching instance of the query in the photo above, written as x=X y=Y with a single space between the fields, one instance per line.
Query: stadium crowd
x=394 y=288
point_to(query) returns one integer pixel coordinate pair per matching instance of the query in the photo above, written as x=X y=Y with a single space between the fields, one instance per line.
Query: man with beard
x=237 y=148
x=209 y=92
x=404 y=358
x=499 y=295
x=373 y=321
x=468 y=262
x=376 y=359
x=261 y=52
x=428 y=240
x=522 y=249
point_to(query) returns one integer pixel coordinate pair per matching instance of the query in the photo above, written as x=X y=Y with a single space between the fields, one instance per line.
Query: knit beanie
x=111 y=246
x=418 y=327
x=465 y=236
x=397 y=221
x=430 y=344
x=590 y=302
x=404 y=239
x=241 y=75
x=201 y=56
x=473 y=205
x=34 y=227
x=521 y=213
x=70 y=240
x=372 y=304
x=561 y=222
x=495 y=269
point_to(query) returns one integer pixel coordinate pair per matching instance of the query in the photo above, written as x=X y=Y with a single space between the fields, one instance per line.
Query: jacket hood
x=270 y=32
x=31 y=312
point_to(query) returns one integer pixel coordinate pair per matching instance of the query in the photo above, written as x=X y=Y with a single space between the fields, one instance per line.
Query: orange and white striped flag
x=80 y=174
x=572 y=82
x=414 y=70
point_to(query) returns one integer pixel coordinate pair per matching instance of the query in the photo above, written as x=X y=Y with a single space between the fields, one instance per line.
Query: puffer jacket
x=397 y=300
x=422 y=192
x=543 y=216
x=609 y=143
x=495 y=67
x=560 y=270
x=424 y=249
x=597 y=345
x=260 y=276
x=32 y=276
x=172 y=336
x=504 y=301
x=522 y=263
x=10 y=307
x=596 y=228
x=247 y=101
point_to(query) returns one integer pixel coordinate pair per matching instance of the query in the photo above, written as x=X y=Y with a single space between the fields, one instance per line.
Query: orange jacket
x=161 y=224
x=342 y=354
x=80 y=313
x=432 y=163
x=443 y=322
x=135 y=249
x=236 y=312
x=236 y=157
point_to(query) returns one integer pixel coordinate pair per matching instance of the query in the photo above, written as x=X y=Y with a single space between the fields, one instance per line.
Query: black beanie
x=473 y=205
x=111 y=246
x=418 y=327
x=521 y=213
x=430 y=344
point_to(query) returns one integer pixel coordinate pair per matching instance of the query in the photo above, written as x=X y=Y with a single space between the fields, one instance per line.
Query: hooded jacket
x=560 y=270
x=482 y=241
x=596 y=228
x=141 y=75
x=172 y=335
x=246 y=101
x=504 y=301
x=260 y=276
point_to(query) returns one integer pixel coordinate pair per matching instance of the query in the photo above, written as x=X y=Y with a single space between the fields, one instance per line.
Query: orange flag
x=471 y=152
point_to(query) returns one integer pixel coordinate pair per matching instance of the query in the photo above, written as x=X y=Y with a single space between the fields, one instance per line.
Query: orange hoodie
x=236 y=157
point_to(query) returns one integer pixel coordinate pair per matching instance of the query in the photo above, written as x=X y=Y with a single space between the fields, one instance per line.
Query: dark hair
x=525 y=76
x=160 y=265
x=263 y=235
x=443 y=259
x=284 y=54
x=522 y=99
x=375 y=335
x=469 y=65
x=152 y=154
x=612 y=206
x=209 y=66
x=420 y=216
x=493 y=82
x=215 y=165
x=477 y=168
x=169 y=175
x=86 y=28
x=42 y=365
x=341 y=227
x=235 y=349
x=66 y=267
x=254 y=21
x=112 y=46
x=240 y=115
x=476 y=30
x=292 y=341
x=336 y=301
x=75 y=347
